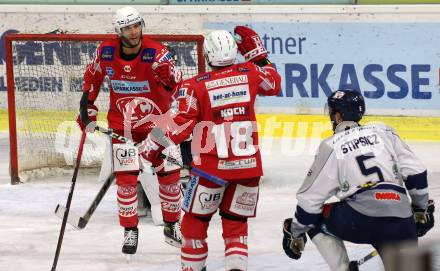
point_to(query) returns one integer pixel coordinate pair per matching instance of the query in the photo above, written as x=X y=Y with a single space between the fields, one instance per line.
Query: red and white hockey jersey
x=218 y=109
x=136 y=99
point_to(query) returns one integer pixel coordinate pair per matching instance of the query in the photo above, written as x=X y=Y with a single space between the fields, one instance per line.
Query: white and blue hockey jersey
x=370 y=167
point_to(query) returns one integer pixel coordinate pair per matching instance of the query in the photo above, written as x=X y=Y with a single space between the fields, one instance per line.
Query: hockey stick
x=354 y=265
x=195 y=170
x=69 y=201
x=80 y=222
x=157 y=133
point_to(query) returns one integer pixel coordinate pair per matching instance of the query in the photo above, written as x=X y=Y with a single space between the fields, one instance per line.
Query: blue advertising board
x=394 y=65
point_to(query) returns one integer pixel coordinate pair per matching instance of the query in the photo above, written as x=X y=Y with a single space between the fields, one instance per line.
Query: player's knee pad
x=169 y=194
x=126 y=178
x=202 y=197
x=127 y=203
x=241 y=199
x=194 y=227
x=333 y=251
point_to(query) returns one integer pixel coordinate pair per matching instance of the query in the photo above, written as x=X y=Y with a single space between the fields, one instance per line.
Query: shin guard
x=194 y=250
x=127 y=200
x=332 y=250
x=169 y=194
x=235 y=237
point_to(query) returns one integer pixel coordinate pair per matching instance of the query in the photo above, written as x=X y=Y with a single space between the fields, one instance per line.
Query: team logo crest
x=345 y=186
x=138 y=111
x=127 y=68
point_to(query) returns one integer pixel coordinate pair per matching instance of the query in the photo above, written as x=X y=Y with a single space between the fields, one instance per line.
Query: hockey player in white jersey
x=369 y=169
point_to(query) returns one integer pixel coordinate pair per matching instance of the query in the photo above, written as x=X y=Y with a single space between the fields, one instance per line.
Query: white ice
x=29 y=229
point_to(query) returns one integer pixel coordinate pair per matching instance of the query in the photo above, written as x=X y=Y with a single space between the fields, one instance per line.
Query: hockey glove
x=149 y=149
x=167 y=74
x=88 y=123
x=249 y=44
x=293 y=246
x=424 y=218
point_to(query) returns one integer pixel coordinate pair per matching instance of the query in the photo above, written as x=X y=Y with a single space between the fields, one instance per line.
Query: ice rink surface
x=29 y=229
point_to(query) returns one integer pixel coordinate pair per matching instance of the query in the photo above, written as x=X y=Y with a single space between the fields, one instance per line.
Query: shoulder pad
x=325 y=150
x=382 y=126
x=148 y=42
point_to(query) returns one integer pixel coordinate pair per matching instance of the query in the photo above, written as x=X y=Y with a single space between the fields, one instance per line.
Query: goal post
x=44 y=83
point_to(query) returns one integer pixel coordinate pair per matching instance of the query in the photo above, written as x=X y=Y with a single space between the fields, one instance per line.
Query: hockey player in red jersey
x=218 y=109
x=142 y=74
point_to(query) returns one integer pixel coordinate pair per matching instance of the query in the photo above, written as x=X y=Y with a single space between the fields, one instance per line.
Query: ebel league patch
x=148 y=55
x=108 y=53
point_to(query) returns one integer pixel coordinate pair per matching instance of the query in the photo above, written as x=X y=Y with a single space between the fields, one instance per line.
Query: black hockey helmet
x=349 y=103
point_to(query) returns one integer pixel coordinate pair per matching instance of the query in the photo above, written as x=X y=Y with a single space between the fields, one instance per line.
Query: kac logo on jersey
x=127 y=68
x=138 y=111
x=107 y=53
x=148 y=55
x=110 y=72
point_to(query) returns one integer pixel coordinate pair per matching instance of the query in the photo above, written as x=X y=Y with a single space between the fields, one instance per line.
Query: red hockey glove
x=249 y=44
x=167 y=74
x=149 y=149
x=92 y=112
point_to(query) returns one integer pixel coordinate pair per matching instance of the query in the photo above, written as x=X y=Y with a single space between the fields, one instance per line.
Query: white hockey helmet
x=126 y=16
x=220 y=48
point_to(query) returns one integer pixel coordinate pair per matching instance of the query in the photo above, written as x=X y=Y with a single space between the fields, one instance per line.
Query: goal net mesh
x=48 y=79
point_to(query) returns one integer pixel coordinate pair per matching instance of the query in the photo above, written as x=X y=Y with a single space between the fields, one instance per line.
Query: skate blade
x=172 y=242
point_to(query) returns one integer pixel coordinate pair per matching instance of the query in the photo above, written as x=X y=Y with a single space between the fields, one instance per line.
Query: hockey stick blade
x=80 y=222
x=354 y=265
x=74 y=220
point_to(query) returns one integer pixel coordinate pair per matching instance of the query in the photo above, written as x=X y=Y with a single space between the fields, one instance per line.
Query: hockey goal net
x=44 y=78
